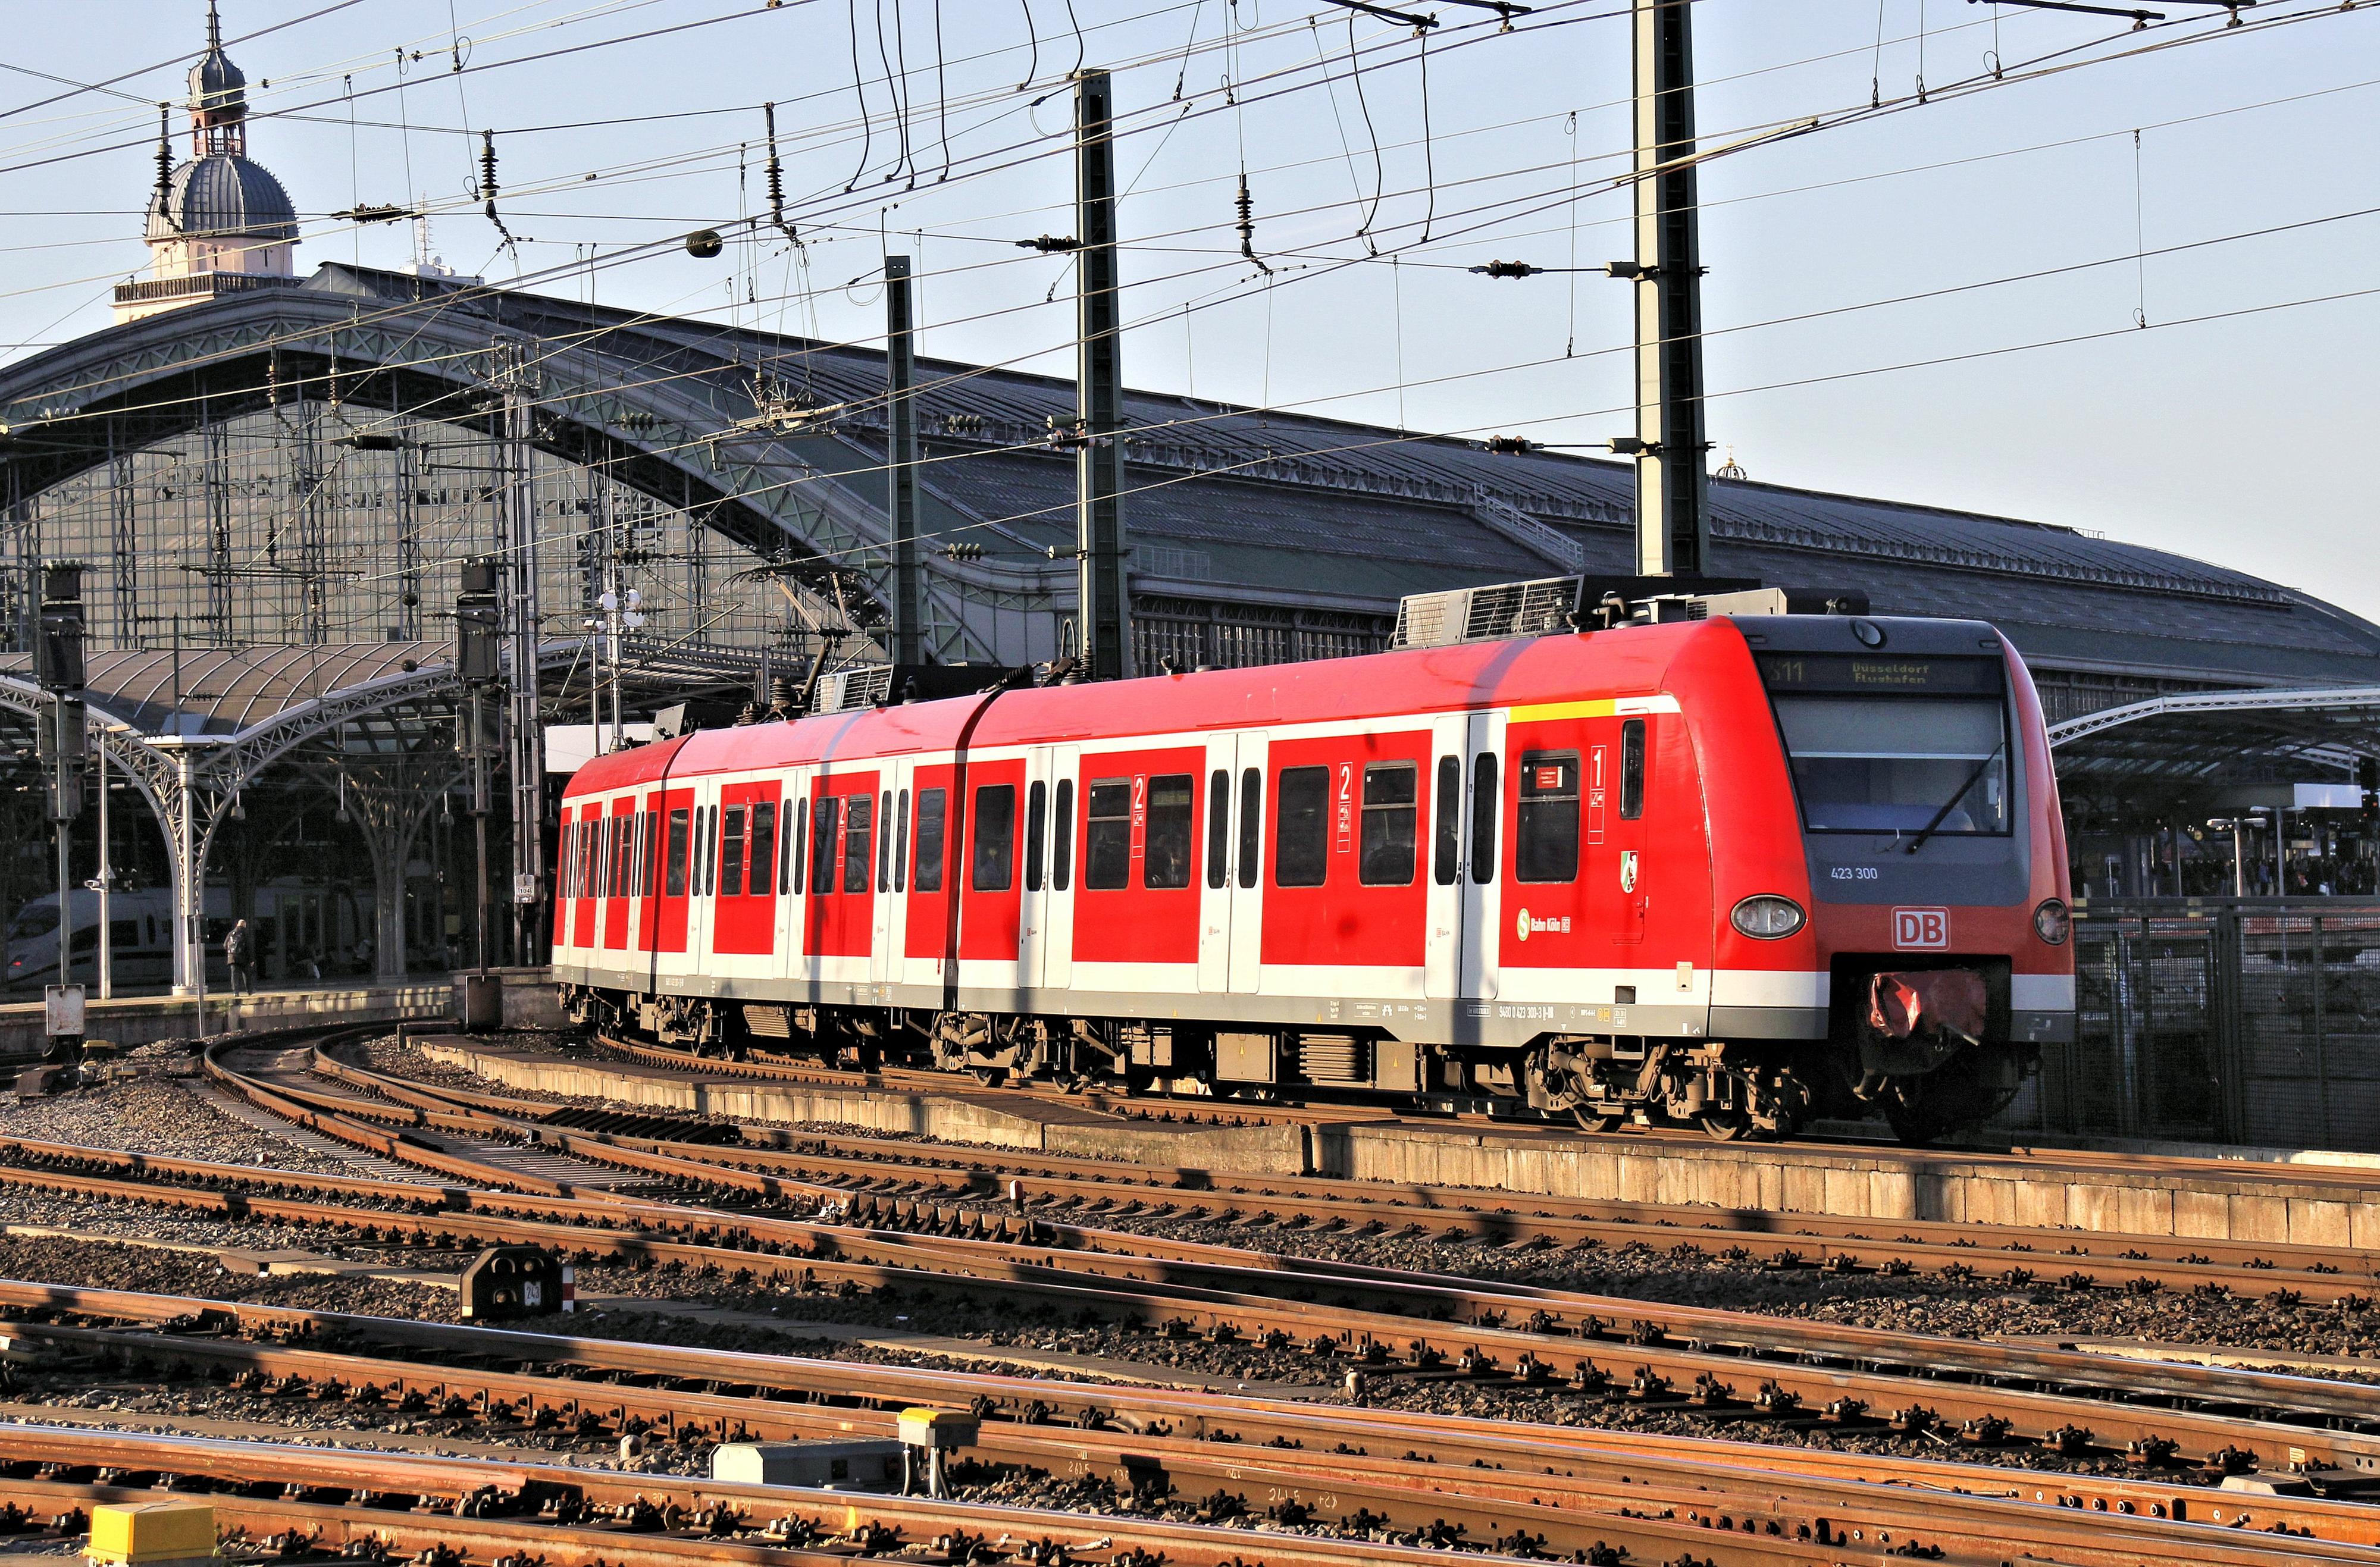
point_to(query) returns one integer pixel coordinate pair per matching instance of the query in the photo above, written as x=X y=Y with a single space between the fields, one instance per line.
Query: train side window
x=1107 y=840
x=1219 y=827
x=731 y=853
x=764 y=849
x=673 y=881
x=823 y=829
x=1036 y=832
x=995 y=837
x=926 y=875
x=900 y=849
x=798 y=832
x=1631 y=769
x=1390 y=803
x=1170 y=845
x=603 y=853
x=1545 y=845
x=1251 y=825
x=586 y=859
x=1487 y=805
x=858 y=828
x=1301 y=854
x=1061 y=851
x=706 y=866
x=624 y=837
x=1446 y=811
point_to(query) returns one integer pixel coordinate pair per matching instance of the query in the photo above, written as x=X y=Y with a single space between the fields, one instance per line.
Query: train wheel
x=1592 y=1120
x=990 y=1076
x=1729 y=1125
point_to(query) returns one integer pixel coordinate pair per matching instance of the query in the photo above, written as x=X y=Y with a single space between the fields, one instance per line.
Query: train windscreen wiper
x=1956 y=795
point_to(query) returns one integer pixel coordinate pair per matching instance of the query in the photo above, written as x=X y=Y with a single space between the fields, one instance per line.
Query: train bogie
x=1734 y=872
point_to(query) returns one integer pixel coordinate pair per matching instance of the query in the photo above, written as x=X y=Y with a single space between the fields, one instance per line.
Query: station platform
x=2273 y=1198
x=985 y=1117
x=128 y=1021
x=2249 y=1195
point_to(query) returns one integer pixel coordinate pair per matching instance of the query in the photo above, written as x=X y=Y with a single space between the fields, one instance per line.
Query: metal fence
x=2232 y=1020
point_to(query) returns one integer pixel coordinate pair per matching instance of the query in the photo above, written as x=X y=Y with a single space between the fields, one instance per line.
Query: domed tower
x=218 y=224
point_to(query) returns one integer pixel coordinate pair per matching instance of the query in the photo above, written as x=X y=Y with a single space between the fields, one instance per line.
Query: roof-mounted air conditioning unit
x=1550 y=604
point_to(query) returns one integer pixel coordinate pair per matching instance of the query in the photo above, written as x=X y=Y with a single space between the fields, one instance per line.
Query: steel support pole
x=1101 y=612
x=480 y=816
x=66 y=909
x=900 y=464
x=106 y=934
x=189 y=959
x=523 y=630
x=1672 y=488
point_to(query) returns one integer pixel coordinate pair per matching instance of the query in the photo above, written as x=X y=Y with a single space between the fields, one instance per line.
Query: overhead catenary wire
x=1267 y=337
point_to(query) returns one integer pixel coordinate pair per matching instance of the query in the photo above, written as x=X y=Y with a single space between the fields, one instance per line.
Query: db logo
x=1926 y=928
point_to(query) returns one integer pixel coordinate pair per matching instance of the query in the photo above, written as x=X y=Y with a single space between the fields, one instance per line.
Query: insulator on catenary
x=776 y=176
x=488 y=186
x=1509 y=269
x=1248 y=227
x=164 y=159
x=1511 y=445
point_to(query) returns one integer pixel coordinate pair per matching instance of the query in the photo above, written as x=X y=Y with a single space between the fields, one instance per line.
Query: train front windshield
x=32 y=920
x=1894 y=745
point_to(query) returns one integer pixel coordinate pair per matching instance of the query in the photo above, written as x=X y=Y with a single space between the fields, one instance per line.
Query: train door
x=583 y=912
x=1231 y=940
x=1480 y=918
x=1248 y=809
x=647 y=871
x=621 y=847
x=1048 y=925
x=566 y=837
x=1617 y=879
x=793 y=875
x=677 y=871
x=891 y=815
x=1450 y=753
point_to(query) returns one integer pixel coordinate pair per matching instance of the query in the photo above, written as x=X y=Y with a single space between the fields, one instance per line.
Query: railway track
x=2018 y=1256
x=1384 y=1323
x=836 y=1216
x=1536 y=1491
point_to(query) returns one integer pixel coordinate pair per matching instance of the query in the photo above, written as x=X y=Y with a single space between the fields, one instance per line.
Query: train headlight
x=1766 y=916
x=2051 y=922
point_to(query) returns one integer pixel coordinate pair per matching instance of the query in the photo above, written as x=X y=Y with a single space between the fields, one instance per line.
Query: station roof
x=2195 y=737
x=225 y=690
x=1227 y=502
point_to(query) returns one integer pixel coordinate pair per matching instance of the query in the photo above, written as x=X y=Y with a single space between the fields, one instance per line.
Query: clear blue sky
x=2244 y=440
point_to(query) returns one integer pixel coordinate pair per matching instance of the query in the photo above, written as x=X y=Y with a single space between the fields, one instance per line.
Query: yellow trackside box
x=123 y=1534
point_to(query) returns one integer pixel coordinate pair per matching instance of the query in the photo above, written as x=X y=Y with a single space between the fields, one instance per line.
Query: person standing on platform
x=239 y=957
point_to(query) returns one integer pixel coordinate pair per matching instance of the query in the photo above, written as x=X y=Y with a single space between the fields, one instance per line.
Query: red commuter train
x=1741 y=870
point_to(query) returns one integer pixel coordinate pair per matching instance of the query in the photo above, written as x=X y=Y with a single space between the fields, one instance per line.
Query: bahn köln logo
x=1924 y=929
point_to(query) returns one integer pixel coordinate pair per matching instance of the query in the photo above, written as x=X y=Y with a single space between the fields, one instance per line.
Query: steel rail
x=2312 y=1273
x=1561 y=1512
x=1239 y=1300
x=841 y=1525
x=1564 y=1496
x=1375 y=1306
x=1957 y=1384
